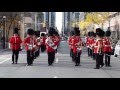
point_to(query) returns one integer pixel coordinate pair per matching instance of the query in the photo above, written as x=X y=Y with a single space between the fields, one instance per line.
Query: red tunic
x=42 y=40
x=48 y=46
x=76 y=42
x=88 y=42
x=96 y=45
x=30 y=41
x=15 y=42
x=107 y=45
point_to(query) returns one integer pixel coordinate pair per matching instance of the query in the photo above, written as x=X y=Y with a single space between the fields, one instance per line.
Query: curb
x=3 y=50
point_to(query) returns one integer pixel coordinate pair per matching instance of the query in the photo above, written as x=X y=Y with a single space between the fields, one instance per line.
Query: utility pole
x=4 y=32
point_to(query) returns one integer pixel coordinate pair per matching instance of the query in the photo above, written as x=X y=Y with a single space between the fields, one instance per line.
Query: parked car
x=117 y=49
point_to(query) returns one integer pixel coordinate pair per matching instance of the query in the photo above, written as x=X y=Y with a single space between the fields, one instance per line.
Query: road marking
x=57 y=53
x=55 y=77
x=5 y=60
x=56 y=60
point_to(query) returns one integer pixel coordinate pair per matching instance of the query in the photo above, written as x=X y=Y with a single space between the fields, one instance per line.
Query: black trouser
x=94 y=56
x=30 y=57
x=37 y=53
x=91 y=52
x=99 y=60
x=70 y=52
x=77 y=58
x=107 y=58
x=51 y=57
x=88 y=51
x=15 y=54
x=43 y=48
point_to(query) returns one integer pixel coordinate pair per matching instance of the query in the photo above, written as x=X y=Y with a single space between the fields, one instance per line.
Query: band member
x=38 y=43
x=15 y=44
x=98 y=47
x=107 y=48
x=87 y=44
x=70 y=45
x=42 y=40
x=77 y=46
x=56 y=35
x=51 y=46
x=93 y=42
x=30 y=45
x=37 y=38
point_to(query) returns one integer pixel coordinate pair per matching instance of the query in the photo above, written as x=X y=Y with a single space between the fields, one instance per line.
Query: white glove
x=34 y=46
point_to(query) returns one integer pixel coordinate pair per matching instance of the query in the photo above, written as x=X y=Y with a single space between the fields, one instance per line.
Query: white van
x=42 y=32
x=117 y=49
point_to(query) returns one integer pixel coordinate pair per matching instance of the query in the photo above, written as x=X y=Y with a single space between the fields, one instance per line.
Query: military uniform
x=98 y=48
x=87 y=43
x=107 y=48
x=30 y=46
x=77 y=46
x=51 y=46
x=71 y=47
x=42 y=40
x=15 y=44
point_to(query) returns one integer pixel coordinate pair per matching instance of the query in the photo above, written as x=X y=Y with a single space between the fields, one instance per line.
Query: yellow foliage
x=97 y=17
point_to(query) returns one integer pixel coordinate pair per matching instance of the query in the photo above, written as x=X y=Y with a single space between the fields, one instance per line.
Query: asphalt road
x=63 y=66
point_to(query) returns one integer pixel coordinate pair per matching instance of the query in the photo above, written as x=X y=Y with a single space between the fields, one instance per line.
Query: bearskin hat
x=100 y=32
x=77 y=31
x=89 y=34
x=52 y=29
x=43 y=34
x=50 y=33
x=94 y=34
x=16 y=30
x=30 y=32
x=108 y=33
x=72 y=33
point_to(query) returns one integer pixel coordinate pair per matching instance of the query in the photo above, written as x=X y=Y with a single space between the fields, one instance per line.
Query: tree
x=12 y=19
x=97 y=17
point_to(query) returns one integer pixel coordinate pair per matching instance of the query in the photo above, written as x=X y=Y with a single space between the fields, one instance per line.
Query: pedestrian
x=42 y=40
x=77 y=46
x=98 y=47
x=107 y=48
x=15 y=45
x=30 y=45
x=70 y=45
x=51 y=46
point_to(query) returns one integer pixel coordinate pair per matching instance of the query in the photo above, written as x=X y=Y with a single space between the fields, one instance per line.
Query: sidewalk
x=2 y=50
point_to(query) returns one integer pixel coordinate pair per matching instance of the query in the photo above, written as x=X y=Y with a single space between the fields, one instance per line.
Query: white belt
x=107 y=45
x=95 y=46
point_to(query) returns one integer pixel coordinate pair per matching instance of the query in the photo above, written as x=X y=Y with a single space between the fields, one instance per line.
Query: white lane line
x=56 y=60
x=5 y=60
x=55 y=77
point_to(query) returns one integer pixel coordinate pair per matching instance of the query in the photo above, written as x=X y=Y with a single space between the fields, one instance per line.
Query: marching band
x=98 y=46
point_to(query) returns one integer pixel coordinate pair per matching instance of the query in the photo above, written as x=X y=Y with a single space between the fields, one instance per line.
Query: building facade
x=113 y=23
x=67 y=22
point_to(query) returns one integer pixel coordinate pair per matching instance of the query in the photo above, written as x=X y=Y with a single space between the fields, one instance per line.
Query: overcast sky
x=59 y=20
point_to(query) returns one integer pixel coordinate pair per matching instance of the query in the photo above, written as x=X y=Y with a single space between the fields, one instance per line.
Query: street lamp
x=4 y=32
